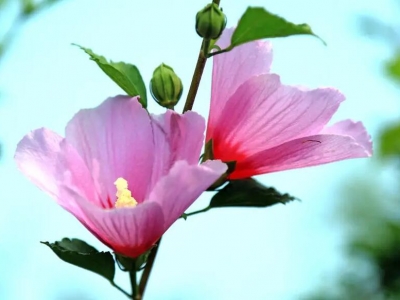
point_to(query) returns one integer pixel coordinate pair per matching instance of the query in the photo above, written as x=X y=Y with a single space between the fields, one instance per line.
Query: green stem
x=10 y=35
x=121 y=289
x=218 y=52
x=194 y=86
x=198 y=72
x=198 y=211
x=18 y=21
x=132 y=277
x=147 y=270
x=206 y=47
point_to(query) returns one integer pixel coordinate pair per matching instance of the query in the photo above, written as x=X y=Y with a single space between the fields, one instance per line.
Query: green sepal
x=210 y=22
x=125 y=263
x=142 y=260
x=208 y=151
x=128 y=264
x=213 y=46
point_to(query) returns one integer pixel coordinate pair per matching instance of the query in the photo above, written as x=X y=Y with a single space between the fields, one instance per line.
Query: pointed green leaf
x=80 y=254
x=390 y=141
x=248 y=193
x=127 y=76
x=257 y=23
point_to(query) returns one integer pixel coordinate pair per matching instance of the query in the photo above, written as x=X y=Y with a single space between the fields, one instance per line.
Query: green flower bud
x=210 y=22
x=165 y=86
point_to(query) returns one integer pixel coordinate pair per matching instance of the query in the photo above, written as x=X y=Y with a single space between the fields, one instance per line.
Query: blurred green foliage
x=390 y=141
x=369 y=217
x=390 y=136
x=27 y=9
x=8 y=32
x=369 y=211
x=393 y=67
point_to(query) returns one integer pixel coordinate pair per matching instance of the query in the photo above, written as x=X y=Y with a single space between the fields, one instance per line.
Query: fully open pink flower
x=266 y=126
x=156 y=155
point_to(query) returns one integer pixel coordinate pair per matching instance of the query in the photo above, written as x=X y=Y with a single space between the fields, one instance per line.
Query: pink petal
x=50 y=163
x=303 y=152
x=354 y=129
x=74 y=174
x=128 y=231
x=176 y=137
x=233 y=68
x=115 y=140
x=184 y=133
x=183 y=185
x=263 y=114
x=36 y=157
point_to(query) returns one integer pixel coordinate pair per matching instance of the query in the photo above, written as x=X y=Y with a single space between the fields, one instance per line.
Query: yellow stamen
x=124 y=196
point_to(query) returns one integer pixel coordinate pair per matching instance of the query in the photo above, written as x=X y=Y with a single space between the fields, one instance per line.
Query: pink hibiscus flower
x=124 y=174
x=266 y=126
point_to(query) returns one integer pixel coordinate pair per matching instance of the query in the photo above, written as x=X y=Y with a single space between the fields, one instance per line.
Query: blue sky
x=275 y=253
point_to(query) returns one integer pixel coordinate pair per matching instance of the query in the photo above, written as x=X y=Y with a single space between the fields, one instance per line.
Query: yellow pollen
x=124 y=196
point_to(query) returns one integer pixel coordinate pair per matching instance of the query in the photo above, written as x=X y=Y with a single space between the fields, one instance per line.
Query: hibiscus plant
x=127 y=175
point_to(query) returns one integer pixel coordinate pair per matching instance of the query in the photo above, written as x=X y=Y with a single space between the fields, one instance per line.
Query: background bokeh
x=284 y=252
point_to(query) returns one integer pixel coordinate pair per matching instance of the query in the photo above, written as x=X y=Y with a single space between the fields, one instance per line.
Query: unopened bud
x=165 y=86
x=210 y=22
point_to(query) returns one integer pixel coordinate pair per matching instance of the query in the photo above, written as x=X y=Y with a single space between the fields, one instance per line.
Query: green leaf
x=390 y=141
x=248 y=193
x=257 y=23
x=127 y=76
x=80 y=254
